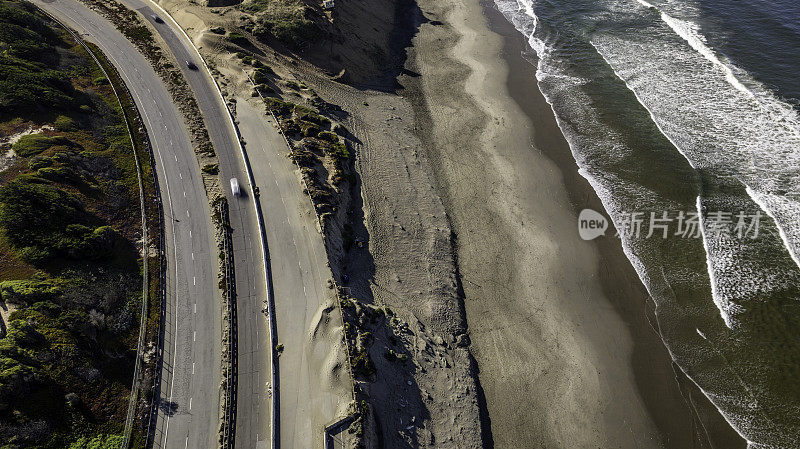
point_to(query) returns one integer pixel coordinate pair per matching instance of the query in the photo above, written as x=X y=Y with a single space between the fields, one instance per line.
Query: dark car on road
x=157 y=19
x=191 y=65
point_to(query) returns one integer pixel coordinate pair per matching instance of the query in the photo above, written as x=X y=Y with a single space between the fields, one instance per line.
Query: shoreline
x=662 y=414
x=652 y=364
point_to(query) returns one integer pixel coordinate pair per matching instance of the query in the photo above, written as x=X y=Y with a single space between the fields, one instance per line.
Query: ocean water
x=684 y=116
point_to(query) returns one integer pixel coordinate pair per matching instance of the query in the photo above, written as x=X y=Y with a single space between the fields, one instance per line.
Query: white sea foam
x=754 y=133
x=714 y=114
x=724 y=124
x=744 y=132
x=689 y=32
x=720 y=301
x=781 y=204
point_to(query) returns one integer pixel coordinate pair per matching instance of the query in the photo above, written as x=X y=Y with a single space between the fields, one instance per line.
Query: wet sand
x=560 y=328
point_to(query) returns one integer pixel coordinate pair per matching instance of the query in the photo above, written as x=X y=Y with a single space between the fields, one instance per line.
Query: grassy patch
x=211 y=169
x=238 y=39
x=64 y=123
x=34 y=144
x=285 y=20
x=262 y=75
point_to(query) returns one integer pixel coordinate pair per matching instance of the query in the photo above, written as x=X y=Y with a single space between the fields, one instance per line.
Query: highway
x=308 y=398
x=309 y=394
x=190 y=393
x=189 y=390
x=254 y=364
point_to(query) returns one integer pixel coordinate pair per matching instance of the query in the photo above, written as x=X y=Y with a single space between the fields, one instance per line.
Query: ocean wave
x=722 y=121
x=745 y=132
x=715 y=260
x=730 y=127
x=772 y=204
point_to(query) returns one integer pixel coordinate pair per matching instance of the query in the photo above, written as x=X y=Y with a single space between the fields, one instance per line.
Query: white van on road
x=235 y=187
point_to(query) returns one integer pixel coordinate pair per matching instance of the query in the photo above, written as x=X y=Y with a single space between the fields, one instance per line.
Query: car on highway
x=156 y=18
x=191 y=65
x=235 y=187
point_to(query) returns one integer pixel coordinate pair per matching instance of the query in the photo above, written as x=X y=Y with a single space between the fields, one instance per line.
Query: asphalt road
x=189 y=392
x=191 y=375
x=253 y=402
x=308 y=397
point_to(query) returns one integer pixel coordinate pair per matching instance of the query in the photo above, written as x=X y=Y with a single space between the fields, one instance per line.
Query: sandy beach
x=560 y=328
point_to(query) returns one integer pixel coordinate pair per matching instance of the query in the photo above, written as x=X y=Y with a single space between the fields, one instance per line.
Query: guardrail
x=331 y=429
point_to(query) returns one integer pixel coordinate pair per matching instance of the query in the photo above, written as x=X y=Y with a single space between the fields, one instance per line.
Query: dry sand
x=553 y=354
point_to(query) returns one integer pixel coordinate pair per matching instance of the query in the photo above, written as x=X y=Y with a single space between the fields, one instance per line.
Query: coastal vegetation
x=321 y=154
x=70 y=272
x=289 y=21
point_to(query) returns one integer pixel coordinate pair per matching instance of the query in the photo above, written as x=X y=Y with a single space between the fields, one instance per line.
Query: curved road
x=190 y=393
x=189 y=416
x=252 y=428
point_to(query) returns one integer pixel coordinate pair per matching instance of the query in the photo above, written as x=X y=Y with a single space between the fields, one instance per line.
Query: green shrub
x=264 y=89
x=38 y=162
x=100 y=81
x=316 y=101
x=64 y=123
x=15 y=377
x=29 y=210
x=61 y=174
x=304 y=113
x=261 y=75
x=28 y=87
x=279 y=107
x=339 y=150
x=238 y=39
x=98 y=442
x=211 y=169
x=362 y=364
x=328 y=137
x=217 y=30
x=33 y=144
x=43 y=221
x=286 y=21
x=31 y=290
x=310 y=130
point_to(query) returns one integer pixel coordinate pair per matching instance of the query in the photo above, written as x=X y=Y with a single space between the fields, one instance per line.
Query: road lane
x=309 y=399
x=254 y=368
x=189 y=390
